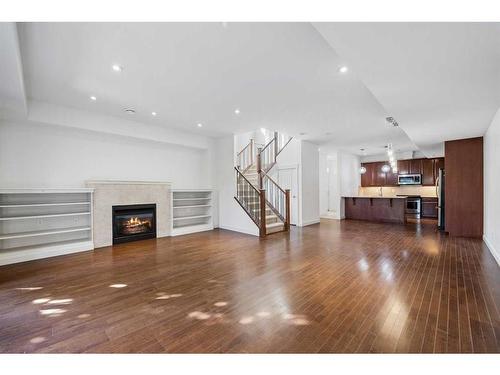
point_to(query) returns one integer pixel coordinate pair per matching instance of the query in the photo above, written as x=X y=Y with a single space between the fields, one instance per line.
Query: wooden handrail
x=244 y=148
x=274 y=183
x=242 y=175
x=282 y=148
x=267 y=145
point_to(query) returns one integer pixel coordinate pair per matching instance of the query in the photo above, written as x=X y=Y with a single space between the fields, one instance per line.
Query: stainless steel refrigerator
x=441 y=198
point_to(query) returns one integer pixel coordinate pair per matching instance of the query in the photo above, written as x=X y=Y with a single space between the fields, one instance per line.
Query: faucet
x=380 y=191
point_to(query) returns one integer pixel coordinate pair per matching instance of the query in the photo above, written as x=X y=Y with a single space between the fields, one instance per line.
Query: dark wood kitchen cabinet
x=438 y=164
x=428 y=172
x=464 y=187
x=380 y=179
x=416 y=166
x=428 y=168
x=429 y=207
x=391 y=179
x=403 y=166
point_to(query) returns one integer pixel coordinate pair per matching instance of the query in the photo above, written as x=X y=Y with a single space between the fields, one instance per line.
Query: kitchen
x=415 y=181
x=414 y=190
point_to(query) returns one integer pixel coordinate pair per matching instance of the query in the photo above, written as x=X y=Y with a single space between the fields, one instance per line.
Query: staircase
x=257 y=192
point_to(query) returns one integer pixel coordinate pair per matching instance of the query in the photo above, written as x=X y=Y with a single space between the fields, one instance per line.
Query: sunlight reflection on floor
x=118 y=285
x=40 y=300
x=37 y=340
x=199 y=315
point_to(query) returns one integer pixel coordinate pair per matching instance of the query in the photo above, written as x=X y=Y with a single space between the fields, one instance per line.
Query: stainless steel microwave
x=410 y=179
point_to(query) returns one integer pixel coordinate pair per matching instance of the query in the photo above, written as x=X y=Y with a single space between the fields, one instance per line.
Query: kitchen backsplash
x=391 y=191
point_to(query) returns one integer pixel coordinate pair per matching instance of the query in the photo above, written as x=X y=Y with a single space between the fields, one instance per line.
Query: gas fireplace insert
x=134 y=222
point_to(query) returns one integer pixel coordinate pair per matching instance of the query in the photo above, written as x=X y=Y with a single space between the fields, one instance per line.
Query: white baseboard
x=309 y=222
x=493 y=251
x=18 y=256
x=240 y=230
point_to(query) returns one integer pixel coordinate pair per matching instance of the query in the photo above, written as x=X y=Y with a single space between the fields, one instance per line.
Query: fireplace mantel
x=109 y=193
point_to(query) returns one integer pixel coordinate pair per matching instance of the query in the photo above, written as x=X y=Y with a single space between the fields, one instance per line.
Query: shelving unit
x=191 y=211
x=40 y=223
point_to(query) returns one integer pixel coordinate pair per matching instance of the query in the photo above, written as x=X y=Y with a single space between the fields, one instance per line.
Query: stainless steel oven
x=410 y=179
x=413 y=205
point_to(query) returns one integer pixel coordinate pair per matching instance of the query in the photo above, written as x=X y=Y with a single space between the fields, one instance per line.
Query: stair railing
x=278 y=199
x=252 y=200
x=245 y=158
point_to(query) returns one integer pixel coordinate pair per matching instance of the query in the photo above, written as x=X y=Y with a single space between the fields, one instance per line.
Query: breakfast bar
x=376 y=208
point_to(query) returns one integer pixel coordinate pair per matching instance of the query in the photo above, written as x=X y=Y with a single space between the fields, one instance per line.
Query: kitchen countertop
x=374 y=196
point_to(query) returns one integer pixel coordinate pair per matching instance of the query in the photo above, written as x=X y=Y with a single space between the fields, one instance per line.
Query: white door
x=287 y=179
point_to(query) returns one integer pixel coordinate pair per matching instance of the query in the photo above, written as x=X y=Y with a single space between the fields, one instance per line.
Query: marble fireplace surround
x=109 y=193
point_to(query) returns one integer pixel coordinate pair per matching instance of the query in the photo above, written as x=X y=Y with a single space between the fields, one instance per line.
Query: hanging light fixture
x=362 y=170
x=386 y=168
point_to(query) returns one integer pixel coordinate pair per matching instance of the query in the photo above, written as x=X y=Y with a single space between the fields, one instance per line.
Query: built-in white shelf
x=191 y=211
x=44 y=204
x=191 y=199
x=40 y=223
x=43 y=233
x=191 y=217
x=43 y=216
x=198 y=205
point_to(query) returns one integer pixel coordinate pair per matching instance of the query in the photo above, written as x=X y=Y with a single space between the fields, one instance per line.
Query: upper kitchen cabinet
x=428 y=168
x=428 y=176
x=403 y=166
x=391 y=179
x=416 y=166
x=367 y=176
x=438 y=164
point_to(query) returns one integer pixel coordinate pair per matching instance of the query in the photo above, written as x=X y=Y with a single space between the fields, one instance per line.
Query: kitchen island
x=376 y=208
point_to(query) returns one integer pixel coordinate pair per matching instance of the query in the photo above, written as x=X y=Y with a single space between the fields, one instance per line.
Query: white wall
x=39 y=155
x=309 y=184
x=231 y=215
x=339 y=176
x=491 y=183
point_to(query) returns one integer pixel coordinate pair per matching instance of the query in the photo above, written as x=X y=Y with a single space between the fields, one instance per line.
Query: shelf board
x=191 y=228
x=191 y=217
x=199 y=205
x=191 y=199
x=43 y=204
x=42 y=233
x=43 y=216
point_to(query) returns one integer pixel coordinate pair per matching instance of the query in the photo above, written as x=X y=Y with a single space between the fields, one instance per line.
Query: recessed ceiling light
x=343 y=69
x=200 y=124
x=237 y=111
x=130 y=111
x=117 y=68
x=153 y=113
x=93 y=98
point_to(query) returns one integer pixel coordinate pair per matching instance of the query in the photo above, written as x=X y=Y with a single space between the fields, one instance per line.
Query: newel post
x=287 y=202
x=262 y=204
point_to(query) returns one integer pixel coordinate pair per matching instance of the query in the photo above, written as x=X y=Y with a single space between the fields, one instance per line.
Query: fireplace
x=134 y=222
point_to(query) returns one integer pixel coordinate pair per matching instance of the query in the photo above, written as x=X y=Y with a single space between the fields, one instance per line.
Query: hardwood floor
x=334 y=287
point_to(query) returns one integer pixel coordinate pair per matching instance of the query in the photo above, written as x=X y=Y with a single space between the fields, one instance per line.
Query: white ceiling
x=282 y=76
x=440 y=81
